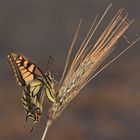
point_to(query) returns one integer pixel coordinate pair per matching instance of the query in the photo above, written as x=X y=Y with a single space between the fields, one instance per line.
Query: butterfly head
x=49 y=75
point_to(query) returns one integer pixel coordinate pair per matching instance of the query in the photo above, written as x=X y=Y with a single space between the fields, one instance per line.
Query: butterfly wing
x=25 y=71
x=32 y=100
x=31 y=78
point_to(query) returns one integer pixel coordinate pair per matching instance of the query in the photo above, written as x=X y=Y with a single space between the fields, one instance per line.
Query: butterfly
x=35 y=85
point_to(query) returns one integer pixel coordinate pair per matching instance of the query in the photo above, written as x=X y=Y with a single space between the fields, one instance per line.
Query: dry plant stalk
x=88 y=58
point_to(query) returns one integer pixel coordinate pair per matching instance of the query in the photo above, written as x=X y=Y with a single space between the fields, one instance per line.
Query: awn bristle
x=87 y=59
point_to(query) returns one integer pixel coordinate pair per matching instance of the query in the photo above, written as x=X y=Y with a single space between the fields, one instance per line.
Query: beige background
x=107 y=109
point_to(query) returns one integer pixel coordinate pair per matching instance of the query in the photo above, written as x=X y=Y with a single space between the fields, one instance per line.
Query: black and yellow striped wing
x=29 y=76
x=35 y=83
x=32 y=101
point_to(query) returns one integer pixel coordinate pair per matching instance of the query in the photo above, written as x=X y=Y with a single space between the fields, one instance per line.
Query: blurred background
x=108 y=108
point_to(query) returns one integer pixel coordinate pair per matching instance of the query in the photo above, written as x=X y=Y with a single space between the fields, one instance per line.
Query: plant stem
x=46 y=129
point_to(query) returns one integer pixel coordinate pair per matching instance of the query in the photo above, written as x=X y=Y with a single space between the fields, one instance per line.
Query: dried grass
x=87 y=59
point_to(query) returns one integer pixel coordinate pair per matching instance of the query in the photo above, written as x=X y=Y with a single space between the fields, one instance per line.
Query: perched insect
x=35 y=84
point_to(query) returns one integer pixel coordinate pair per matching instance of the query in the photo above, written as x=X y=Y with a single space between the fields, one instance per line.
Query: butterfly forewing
x=25 y=71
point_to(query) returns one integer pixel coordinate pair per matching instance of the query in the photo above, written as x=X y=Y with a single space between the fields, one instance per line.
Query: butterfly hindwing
x=32 y=100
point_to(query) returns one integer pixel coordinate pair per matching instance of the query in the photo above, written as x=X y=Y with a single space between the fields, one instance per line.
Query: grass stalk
x=85 y=65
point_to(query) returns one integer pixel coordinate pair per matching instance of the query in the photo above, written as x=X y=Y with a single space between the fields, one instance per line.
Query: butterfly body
x=35 y=85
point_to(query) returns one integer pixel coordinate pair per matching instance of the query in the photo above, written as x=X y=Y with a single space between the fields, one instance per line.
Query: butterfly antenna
x=51 y=59
x=55 y=81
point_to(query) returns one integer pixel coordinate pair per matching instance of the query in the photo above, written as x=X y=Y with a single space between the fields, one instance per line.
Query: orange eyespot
x=38 y=114
x=38 y=111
